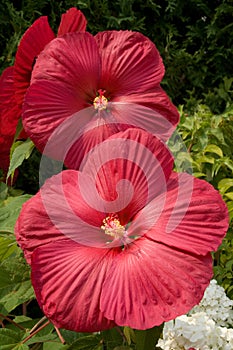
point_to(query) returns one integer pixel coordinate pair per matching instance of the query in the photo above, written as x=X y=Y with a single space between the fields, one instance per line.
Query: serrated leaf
x=55 y=345
x=12 y=340
x=19 y=152
x=15 y=283
x=9 y=212
x=89 y=342
x=214 y=149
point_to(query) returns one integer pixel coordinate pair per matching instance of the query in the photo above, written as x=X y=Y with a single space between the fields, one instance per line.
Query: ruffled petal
x=150 y=283
x=130 y=63
x=127 y=170
x=32 y=43
x=72 y=21
x=158 y=101
x=194 y=216
x=68 y=279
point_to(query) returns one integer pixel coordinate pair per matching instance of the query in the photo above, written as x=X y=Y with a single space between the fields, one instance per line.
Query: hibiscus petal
x=158 y=101
x=47 y=105
x=150 y=283
x=9 y=111
x=68 y=279
x=128 y=170
x=74 y=60
x=130 y=63
x=72 y=21
x=194 y=217
x=31 y=44
x=59 y=210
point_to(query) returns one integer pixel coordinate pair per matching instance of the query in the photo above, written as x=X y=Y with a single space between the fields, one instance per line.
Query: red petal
x=130 y=63
x=31 y=44
x=72 y=21
x=194 y=217
x=158 y=101
x=150 y=283
x=68 y=279
x=74 y=60
x=59 y=211
x=47 y=105
x=128 y=170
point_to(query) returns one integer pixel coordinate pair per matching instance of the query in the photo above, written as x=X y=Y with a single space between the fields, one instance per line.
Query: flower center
x=100 y=102
x=112 y=227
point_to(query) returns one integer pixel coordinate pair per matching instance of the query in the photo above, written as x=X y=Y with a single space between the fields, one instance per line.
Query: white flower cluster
x=204 y=328
x=216 y=305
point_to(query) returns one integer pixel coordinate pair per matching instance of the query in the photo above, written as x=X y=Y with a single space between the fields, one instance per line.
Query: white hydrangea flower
x=216 y=305
x=204 y=327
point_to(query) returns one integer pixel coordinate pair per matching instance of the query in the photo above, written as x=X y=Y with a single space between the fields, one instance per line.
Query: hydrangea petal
x=68 y=279
x=32 y=43
x=72 y=21
x=130 y=63
x=150 y=283
x=194 y=217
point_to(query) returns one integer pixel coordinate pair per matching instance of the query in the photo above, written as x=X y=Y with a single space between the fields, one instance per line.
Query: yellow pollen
x=111 y=226
x=100 y=102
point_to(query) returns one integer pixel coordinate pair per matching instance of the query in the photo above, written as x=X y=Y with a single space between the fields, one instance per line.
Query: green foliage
x=194 y=38
x=203 y=146
x=195 y=41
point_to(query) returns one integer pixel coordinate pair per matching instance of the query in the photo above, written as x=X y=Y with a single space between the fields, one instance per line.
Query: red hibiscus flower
x=79 y=70
x=124 y=241
x=15 y=80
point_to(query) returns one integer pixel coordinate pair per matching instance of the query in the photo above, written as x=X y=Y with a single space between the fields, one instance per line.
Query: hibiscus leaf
x=19 y=152
x=15 y=283
x=147 y=339
x=9 y=212
x=89 y=342
x=12 y=340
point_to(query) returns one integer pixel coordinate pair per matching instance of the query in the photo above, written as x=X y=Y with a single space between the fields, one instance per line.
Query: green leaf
x=19 y=152
x=89 y=342
x=12 y=340
x=7 y=247
x=129 y=334
x=147 y=340
x=3 y=191
x=55 y=345
x=225 y=184
x=15 y=283
x=214 y=149
x=9 y=212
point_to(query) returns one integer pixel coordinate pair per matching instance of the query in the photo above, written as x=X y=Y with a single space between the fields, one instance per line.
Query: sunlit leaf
x=20 y=151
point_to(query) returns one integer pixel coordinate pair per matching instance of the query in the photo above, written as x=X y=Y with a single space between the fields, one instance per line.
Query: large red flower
x=15 y=80
x=124 y=241
x=79 y=70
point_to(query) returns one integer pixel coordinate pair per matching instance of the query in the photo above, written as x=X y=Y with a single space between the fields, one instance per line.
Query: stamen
x=111 y=226
x=100 y=102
